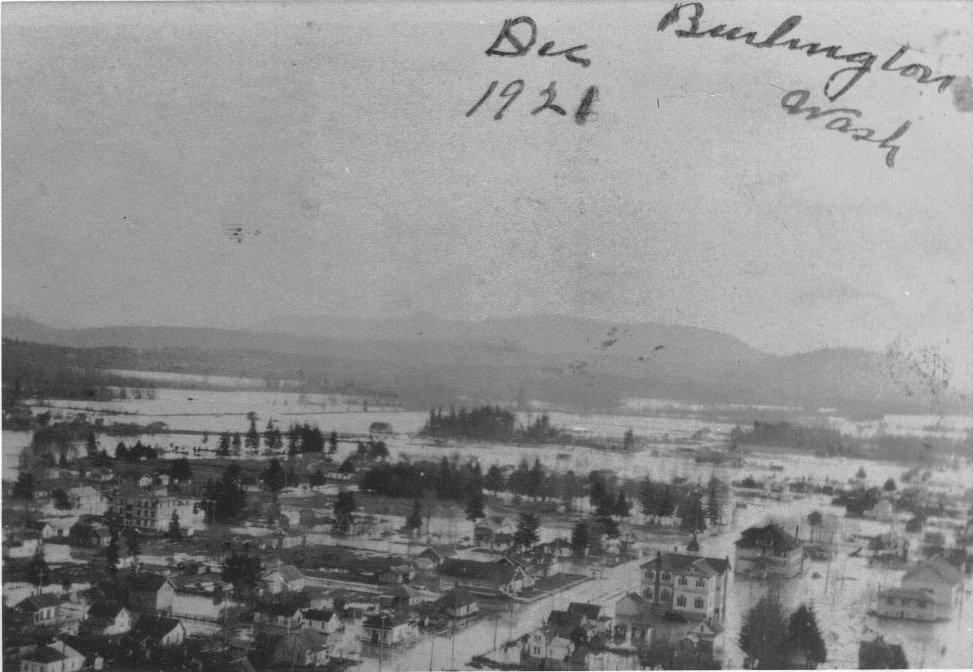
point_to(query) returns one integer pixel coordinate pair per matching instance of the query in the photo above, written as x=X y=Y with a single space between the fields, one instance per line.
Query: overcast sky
x=138 y=138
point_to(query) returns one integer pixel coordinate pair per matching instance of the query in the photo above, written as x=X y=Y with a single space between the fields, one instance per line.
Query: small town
x=400 y=336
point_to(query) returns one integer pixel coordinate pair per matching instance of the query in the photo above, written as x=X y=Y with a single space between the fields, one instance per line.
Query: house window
x=647 y=593
x=699 y=603
x=665 y=595
x=681 y=601
x=701 y=583
x=650 y=574
x=683 y=581
x=666 y=576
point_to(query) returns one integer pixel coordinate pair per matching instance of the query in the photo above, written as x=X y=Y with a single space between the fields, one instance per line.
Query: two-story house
x=939 y=579
x=458 y=604
x=40 y=609
x=389 y=629
x=769 y=550
x=690 y=585
x=55 y=657
x=304 y=648
x=107 y=619
x=906 y=603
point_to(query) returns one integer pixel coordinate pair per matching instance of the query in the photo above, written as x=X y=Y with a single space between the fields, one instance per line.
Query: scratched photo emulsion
x=399 y=336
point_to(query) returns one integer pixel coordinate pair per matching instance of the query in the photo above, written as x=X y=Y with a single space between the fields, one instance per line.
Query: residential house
x=283 y=614
x=325 y=621
x=153 y=632
x=40 y=529
x=704 y=638
x=389 y=629
x=938 y=578
x=107 y=619
x=883 y=510
x=283 y=579
x=89 y=534
x=434 y=556
x=593 y=614
x=906 y=603
x=769 y=550
x=40 y=609
x=380 y=428
x=486 y=530
x=304 y=648
x=482 y=577
x=151 y=593
x=54 y=657
x=458 y=604
x=87 y=500
x=691 y=585
x=545 y=649
x=396 y=574
x=558 y=548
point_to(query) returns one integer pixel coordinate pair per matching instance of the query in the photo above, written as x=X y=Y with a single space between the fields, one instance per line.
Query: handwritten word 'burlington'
x=839 y=82
x=794 y=102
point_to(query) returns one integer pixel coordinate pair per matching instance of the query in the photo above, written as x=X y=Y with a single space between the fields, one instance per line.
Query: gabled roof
x=278 y=608
x=768 y=536
x=386 y=621
x=937 y=570
x=308 y=638
x=105 y=610
x=154 y=627
x=35 y=602
x=318 y=614
x=565 y=619
x=590 y=611
x=287 y=573
x=499 y=573
x=150 y=582
x=456 y=599
x=906 y=594
x=680 y=563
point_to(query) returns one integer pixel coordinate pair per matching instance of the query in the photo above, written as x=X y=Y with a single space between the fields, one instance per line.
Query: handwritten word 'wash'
x=511 y=42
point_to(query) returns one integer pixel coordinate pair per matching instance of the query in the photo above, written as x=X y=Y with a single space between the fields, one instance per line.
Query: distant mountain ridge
x=571 y=361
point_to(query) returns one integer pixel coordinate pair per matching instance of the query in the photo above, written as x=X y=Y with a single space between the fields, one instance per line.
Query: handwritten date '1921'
x=512 y=90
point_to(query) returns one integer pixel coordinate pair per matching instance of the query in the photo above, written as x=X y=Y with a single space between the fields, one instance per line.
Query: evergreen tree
x=647 y=497
x=111 y=551
x=474 y=495
x=622 y=507
x=889 y=485
x=181 y=470
x=344 y=508
x=599 y=496
x=495 y=479
x=175 y=532
x=252 y=442
x=25 y=488
x=763 y=636
x=628 y=443
x=294 y=440
x=693 y=513
x=348 y=466
x=243 y=572
x=414 y=519
x=610 y=527
x=274 y=478
x=804 y=636
x=527 y=526
x=223 y=447
x=236 y=443
x=861 y=473
x=225 y=501
x=333 y=442
x=580 y=539
x=713 y=502
x=38 y=572
x=61 y=500
x=121 y=452
x=133 y=544
x=91 y=445
x=535 y=479
x=292 y=480
x=666 y=506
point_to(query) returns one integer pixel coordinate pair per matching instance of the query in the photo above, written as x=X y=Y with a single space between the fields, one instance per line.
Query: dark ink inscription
x=794 y=102
x=515 y=46
x=516 y=87
x=839 y=83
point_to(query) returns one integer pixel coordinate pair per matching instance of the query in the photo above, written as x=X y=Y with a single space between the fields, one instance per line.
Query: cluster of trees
x=136 y=453
x=695 y=507
x=817 y=440
x=310 y=439
x=225 y=501
x=775 y=642
x=449 y=480
x=488 y=423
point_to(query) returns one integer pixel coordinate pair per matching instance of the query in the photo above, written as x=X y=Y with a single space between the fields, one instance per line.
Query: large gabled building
x=690 y=585
x=146 y=509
